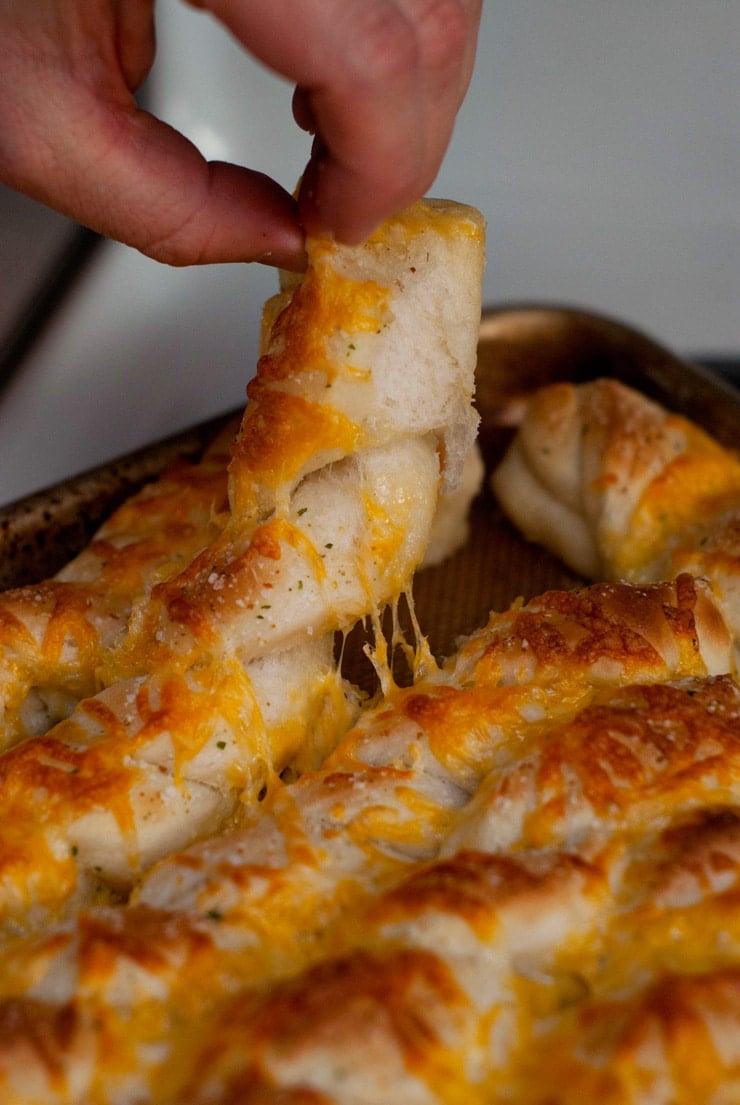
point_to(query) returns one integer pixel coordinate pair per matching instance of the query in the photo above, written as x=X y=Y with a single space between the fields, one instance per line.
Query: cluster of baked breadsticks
x=518 y=879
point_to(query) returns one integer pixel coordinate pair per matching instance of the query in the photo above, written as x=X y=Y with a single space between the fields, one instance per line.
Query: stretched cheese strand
x=621 y=488
x=362 y=396
x=251 y=907
x=337 y=519
x=55 y=634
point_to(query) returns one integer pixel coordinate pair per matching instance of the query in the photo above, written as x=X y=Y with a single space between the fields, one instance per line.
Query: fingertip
x=310 y=210
x=336 y=203
x=294 y=260
x=240 y=216
x=330 y=207
x=303 y=112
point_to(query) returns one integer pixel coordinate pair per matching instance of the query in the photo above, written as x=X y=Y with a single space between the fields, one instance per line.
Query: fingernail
x=292 y=259
x=303 y=110
x=314 y=212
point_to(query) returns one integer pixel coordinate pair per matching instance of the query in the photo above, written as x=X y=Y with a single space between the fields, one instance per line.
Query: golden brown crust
x=634 y=759
x=384 y=1027
x=675 y=1042
x=612 y=481
x=252 y=1088
x=55 y=636
x=610 y=632
x=385 y=865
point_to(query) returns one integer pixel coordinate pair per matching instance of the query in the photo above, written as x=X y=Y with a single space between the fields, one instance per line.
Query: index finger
x=380 y=80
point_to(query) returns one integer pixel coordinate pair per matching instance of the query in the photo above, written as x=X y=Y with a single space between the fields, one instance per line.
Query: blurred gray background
x=601 y=140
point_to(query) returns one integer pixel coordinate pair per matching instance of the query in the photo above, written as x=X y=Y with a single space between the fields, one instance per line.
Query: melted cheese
x=55 y=637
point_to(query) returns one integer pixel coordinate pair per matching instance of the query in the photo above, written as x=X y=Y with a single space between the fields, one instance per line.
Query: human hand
x=378 y=81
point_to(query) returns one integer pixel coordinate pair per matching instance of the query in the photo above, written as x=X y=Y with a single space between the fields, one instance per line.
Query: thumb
x=124 y=173
x=154 y=190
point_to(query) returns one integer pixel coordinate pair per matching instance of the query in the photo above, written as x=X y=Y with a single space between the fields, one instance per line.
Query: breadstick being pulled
x=360 y=408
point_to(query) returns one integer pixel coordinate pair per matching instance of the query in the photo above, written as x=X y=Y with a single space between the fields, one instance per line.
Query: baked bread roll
x=614 y=483
x=340 y=373
x=355 y=413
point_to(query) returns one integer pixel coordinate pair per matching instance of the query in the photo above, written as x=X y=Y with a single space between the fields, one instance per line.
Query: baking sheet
x=521 y=347
x=41 y=533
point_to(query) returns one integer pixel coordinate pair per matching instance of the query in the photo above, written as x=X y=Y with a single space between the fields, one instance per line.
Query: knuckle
x=177 y=246
x=442 y=30
x=393 y=40
x=386 y=46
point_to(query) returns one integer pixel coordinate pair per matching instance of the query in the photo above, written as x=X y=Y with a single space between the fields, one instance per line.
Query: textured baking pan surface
x=521 y=348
